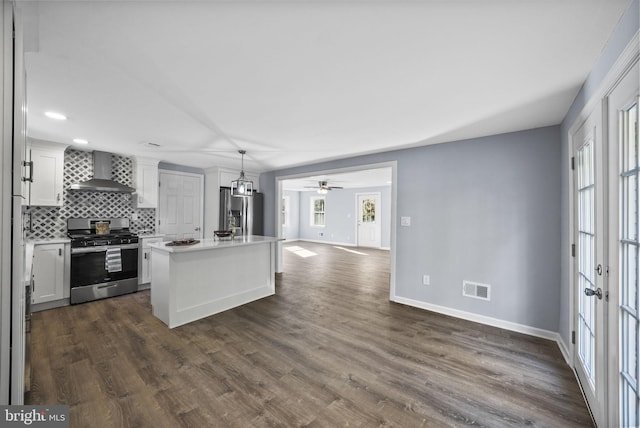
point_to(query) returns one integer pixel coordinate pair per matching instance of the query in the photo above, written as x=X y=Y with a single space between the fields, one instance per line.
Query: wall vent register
x=476 y=290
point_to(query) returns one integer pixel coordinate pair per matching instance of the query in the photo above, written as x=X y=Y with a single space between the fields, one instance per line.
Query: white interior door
x=368 y=218
x=624 y=242
x=180 y=208
x=589 y=288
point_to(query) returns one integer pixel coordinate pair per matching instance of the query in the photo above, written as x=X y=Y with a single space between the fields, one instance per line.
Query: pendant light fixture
x=242 y=187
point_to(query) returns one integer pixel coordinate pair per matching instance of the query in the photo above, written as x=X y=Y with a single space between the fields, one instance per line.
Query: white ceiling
x=296 y=82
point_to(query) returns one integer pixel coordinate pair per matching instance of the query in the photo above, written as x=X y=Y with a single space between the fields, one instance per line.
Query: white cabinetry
x=46 y=162
x=144 y=259
x=47 y=278
x=145 y=172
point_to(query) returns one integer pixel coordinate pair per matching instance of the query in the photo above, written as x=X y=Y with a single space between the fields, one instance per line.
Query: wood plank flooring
x=328 y=350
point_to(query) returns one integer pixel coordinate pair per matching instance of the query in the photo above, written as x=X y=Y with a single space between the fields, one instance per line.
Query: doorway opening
x=326 y=206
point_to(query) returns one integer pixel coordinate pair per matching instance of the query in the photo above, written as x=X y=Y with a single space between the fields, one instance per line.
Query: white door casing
x=588 y=285
x=368 y=221
x=180 y=206
x=18 y=283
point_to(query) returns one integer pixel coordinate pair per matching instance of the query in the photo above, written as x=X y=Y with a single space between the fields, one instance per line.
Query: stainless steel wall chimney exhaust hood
x=101 y=181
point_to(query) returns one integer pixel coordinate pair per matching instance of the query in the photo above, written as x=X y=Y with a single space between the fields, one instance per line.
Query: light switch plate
x=405 y=221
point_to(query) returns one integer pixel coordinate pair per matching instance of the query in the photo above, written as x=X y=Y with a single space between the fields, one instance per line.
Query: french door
x=606 y=272
x=624 y=243
x=590 y=291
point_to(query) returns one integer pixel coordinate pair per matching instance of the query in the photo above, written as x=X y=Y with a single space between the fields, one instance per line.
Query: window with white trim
x=284 y=214
x=318 y=211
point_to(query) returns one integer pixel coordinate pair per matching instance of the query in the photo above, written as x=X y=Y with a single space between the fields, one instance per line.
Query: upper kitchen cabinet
x=45 y=173
x=145 y=176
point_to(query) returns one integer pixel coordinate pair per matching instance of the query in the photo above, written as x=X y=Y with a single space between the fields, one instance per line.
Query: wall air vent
x=150 y=145
x=476 y=290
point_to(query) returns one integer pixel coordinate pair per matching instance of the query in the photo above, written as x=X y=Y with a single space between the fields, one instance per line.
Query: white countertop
x=62 y=240
x=212 y=244
x=151 y=235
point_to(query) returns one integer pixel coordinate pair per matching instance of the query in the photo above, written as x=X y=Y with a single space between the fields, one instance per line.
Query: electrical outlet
x=426 y=280
x=405 y=221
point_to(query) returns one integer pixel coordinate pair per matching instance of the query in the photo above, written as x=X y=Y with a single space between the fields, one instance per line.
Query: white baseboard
x=494 y=322
x=342 y=244
x=565 y=350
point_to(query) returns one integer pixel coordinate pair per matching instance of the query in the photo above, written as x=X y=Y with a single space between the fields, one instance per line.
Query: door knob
x=197 y=229
x=591 y=292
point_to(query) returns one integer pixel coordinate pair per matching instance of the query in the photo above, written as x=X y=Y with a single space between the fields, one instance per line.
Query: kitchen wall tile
x=50 y=222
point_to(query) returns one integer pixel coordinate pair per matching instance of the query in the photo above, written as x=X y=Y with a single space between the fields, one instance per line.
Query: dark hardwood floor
x=327 y=350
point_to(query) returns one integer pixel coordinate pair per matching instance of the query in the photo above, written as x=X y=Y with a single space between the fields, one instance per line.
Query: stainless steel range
x=104 y=258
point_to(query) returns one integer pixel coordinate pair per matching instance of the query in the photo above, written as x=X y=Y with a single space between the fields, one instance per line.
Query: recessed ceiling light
x=54 y=115
x=80 y=141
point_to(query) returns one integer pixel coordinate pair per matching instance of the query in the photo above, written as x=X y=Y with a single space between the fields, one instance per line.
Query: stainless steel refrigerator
x=246 y=212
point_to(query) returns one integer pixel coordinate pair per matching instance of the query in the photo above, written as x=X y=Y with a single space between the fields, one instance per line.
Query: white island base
x=193 y=282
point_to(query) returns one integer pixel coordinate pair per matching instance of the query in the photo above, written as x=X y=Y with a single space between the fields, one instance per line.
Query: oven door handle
x=108 y=285
x=103 y=248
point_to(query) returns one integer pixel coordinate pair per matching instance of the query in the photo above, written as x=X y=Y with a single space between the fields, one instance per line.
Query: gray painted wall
x=623 y=34
x=486 y=210
x=292 y=230
x=341 y=216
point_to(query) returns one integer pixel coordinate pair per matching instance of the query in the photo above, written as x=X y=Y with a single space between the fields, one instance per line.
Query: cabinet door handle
x=30 y=165
x=60 y=251
x=58 y=197
x=33 y=287
x=145 y=256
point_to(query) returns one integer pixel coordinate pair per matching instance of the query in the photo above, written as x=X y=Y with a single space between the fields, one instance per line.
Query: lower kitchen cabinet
x=144 y=268
x=47 y=277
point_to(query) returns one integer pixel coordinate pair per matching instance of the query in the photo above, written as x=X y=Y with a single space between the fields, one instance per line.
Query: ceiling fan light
x=323 y=191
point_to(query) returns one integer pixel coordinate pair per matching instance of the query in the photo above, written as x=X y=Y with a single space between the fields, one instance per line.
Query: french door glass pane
x=586 y=258
x=629 y=243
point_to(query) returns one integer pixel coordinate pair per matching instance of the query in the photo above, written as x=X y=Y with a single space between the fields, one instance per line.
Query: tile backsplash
x=51 y=222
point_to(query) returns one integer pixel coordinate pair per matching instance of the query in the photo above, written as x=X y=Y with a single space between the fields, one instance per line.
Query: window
x=318 y=211
x=369 y=210
x=284 y=214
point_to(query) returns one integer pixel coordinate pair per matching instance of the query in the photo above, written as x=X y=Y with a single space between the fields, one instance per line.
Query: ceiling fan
x=323 y=187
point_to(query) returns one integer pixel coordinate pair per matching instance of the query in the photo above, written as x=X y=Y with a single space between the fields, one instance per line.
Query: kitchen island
x=193 y=282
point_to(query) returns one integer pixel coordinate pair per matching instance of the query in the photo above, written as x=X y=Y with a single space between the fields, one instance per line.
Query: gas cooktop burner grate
x=83 y=233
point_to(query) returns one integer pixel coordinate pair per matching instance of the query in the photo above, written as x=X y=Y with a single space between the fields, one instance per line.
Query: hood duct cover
x=101 y=181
